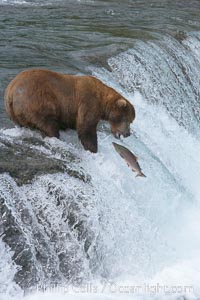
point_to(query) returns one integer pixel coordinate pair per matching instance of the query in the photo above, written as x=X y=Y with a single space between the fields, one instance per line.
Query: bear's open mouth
x=117 y=135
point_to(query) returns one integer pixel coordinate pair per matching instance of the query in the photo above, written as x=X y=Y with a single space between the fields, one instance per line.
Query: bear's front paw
x=89 y=145
x=88 y=137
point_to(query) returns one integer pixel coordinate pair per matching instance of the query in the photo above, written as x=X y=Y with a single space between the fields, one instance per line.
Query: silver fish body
x=130 y=158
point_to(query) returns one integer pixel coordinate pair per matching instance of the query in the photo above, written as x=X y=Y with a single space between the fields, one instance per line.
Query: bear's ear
x=121 y=102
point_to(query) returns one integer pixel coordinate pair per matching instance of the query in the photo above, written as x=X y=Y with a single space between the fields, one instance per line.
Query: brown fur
x=51 y=101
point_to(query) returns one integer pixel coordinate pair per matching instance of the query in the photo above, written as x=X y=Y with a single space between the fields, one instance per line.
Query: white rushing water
x=146 y=229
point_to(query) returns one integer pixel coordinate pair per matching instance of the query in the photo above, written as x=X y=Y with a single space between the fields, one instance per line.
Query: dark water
x=69 y=36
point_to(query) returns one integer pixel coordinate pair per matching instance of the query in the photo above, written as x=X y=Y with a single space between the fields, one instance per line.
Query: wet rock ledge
x=23 y=163
x=45 y=211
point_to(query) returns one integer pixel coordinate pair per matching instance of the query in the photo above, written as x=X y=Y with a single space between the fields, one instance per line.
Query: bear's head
x=121 y=116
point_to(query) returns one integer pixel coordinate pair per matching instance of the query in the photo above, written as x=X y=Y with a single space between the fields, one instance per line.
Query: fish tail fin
x=141 y=175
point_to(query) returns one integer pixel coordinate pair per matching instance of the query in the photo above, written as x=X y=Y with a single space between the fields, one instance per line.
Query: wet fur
x=51 y=101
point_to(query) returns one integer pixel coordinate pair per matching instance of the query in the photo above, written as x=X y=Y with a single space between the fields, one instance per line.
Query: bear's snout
x=122 y=129
x=128 y=133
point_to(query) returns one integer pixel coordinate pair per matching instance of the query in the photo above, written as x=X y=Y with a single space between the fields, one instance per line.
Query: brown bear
x=50 y=101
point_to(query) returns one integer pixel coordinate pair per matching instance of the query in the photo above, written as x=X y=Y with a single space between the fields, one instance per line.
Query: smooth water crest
x=78 y=225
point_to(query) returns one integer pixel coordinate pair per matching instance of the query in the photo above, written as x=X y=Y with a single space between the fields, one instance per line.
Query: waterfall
x=95 y=220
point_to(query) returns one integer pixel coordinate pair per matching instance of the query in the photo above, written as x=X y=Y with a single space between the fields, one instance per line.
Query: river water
x=144 y=233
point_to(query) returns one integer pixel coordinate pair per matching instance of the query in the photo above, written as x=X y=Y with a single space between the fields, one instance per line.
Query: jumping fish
x=130 y=158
